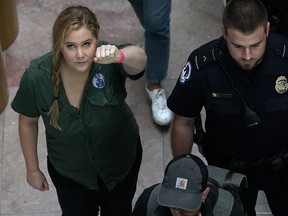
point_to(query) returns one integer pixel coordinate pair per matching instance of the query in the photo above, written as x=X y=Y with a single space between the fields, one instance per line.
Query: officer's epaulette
x=282 y=51
x=279 y=44
x=204 y=55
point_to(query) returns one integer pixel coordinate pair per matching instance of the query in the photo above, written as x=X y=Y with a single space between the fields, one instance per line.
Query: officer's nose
x=247 y=54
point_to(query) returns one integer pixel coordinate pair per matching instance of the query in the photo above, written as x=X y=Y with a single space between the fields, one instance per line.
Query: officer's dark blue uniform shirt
x=204 y=81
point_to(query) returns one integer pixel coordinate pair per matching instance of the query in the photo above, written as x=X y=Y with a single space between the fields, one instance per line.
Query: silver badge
x=281 y=85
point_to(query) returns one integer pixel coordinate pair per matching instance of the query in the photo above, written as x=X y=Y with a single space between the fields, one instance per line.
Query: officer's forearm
x=182 y=135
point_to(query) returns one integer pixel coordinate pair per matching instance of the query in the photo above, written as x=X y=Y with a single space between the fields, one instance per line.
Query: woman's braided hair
x=70 y=19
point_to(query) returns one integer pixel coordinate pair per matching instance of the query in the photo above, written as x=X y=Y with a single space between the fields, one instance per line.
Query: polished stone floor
x=193 y=22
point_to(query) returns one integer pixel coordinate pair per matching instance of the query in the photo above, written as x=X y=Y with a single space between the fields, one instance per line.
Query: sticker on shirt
x=181 y=183
x=281 y=85
x=98 y=81
x=185 y=73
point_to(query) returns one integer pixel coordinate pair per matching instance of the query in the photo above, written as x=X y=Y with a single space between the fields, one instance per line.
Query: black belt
x=277 y=162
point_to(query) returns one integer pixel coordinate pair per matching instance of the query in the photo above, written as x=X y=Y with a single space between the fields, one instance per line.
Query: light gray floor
x=193 y=22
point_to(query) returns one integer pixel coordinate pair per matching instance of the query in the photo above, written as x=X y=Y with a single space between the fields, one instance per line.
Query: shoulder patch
x=185 y=73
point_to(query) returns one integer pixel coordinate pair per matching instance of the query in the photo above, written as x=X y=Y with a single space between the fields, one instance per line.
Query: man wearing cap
x=184 y=192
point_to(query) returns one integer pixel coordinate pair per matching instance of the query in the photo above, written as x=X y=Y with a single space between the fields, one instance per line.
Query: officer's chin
x=247 y=66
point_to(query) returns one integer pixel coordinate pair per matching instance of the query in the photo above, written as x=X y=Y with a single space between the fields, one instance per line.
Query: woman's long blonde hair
x=71 y=18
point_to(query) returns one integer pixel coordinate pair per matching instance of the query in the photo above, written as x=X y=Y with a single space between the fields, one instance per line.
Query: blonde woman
x=94 y=148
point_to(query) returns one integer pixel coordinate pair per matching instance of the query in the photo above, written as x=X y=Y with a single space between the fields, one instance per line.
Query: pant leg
x=155 y=19
x=137 y=5
x=74 y=198
x=118 y=202
x=274 y=186
x=277 y=201
x=249 y=199
x=276 y=193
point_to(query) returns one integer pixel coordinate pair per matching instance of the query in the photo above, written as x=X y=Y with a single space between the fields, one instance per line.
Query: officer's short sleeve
x=24 y=101
x=185 y=98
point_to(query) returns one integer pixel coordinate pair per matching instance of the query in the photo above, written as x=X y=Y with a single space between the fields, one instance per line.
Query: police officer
x=241 y=80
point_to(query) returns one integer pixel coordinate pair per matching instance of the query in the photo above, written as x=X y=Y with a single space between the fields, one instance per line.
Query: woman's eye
x=86 y=44
x=70 y=46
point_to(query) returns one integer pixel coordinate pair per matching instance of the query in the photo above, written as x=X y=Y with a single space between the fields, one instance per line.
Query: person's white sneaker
x=162 y=115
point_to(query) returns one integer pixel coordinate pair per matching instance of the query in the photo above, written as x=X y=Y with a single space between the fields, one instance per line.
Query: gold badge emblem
x=281 y=85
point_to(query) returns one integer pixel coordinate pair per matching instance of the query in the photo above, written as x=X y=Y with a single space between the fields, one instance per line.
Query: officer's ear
x=267 y=28
x=224 y=33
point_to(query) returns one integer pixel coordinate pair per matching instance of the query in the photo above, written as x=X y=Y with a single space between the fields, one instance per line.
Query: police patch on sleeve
x=185 y=73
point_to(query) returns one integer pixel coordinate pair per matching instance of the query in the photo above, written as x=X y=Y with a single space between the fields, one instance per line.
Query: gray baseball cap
x=184 y=181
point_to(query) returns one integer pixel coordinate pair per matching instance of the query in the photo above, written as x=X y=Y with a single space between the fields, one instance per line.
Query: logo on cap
x=181 y=183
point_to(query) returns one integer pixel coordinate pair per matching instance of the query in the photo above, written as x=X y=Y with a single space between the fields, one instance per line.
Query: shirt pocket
x=276 y=104
x=102 y=98
x=223 y=103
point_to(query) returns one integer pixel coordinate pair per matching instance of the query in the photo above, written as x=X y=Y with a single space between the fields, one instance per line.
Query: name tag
x=221 y=95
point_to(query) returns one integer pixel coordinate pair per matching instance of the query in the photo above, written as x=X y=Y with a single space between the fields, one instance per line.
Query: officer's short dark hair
x=244 y=15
